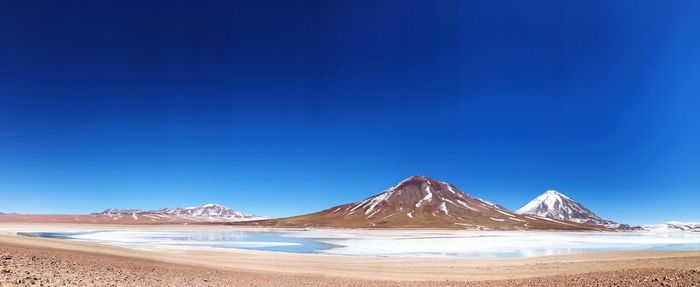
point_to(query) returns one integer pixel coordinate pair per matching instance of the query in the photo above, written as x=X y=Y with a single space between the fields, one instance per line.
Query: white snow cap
x=554 y=205
x=546 y=201
x=554 y=192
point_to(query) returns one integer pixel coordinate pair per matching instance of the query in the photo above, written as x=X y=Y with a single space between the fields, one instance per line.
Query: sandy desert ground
x=49 y=262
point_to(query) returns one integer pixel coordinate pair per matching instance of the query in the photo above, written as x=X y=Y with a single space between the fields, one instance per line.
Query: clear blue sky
x=287 y=107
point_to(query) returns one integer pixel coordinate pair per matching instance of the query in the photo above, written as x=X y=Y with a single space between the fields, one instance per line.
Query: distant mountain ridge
x=673 y=226
x=208 y=212
x=116 y=211
x=423 y=202
x=416 y=202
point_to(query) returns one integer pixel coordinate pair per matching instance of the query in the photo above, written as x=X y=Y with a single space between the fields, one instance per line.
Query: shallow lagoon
x=478 y=244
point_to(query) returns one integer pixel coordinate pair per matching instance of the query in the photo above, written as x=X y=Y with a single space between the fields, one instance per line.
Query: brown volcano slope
x=423 y=202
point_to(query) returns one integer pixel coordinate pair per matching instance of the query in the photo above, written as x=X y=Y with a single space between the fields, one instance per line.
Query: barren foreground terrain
x=24 y=266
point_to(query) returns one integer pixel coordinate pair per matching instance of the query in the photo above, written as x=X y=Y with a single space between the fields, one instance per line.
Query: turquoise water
x=251 y=240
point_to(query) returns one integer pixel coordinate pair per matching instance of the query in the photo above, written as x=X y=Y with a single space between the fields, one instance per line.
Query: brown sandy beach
x=47 y=262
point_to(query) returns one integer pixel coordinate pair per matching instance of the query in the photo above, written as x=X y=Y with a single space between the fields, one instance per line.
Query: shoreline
x=353 y=267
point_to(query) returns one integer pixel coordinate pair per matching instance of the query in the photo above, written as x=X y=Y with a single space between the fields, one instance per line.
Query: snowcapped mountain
x=552 y=204
x=420 y=201
x=211 y=212
x=116 y=211
x=673 y=226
